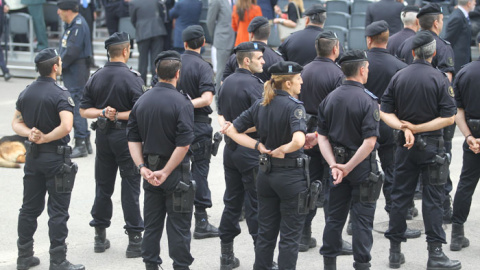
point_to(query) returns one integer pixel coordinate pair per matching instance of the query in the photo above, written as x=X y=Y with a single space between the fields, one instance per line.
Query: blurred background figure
x=243 y=13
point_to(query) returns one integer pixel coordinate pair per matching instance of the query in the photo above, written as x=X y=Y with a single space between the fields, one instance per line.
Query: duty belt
x=288 y=162
x=59 y=149
x=202 y=118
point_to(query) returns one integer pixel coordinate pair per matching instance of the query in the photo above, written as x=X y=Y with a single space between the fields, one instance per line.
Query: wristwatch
x=141 y=166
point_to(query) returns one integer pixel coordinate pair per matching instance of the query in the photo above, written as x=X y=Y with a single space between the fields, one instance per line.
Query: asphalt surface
x=206 y=252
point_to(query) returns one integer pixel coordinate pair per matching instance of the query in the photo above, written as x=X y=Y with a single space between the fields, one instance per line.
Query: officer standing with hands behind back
x=44 y=114
x=109 y=97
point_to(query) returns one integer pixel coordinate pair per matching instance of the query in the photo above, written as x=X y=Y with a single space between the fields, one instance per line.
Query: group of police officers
x=300 y=128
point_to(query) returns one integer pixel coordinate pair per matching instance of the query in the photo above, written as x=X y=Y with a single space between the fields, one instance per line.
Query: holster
x=201 y=150
x=438 y=170
x=370 y=189
x=103 y=124
x=217 y=139
x=31 y=148
x=231 y=144
x=474 y=126
x=420 y=142
x=342 y=154
x=94 y=125
x=307 y=199
x=184 y=193
x=449 y=132
x=65 y=179
x=265 y=163
x=311 y=123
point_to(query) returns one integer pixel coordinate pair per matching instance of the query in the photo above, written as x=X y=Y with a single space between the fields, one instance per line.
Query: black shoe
x=412 y=212
x=151 y=266
x=329 y=263
x=228 y=261
x=459 y=240
x=437 y=260
x=101 y=241
x=411 y=233
x=307 y=241
x=88 y=144
x=447 y=216
x=80 y=149
x=346 y=248
x=274 y=266
x=203 y=229
x=396 y=257
x=361 y=266
x=134 y=248
x=58 y=260
x=7 y=76
x=25 y=258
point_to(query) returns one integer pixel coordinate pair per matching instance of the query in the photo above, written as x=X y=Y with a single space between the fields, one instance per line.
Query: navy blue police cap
x=117 y=38
x=353 y=56
x=411 y=8
x=249 y=47
x=315 y=9
x=422 y=38
x=376 y=28
x=430 y=8
x=192 y=32
x=285 y=68
x=68 y=5
x=46 y=54
x=256 y=23
x=326 y=35
x=168 y=55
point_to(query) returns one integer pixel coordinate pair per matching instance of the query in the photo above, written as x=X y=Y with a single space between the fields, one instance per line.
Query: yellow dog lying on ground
x=12 y=151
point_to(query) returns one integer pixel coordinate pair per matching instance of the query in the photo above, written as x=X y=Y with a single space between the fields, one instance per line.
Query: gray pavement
x=206 y=252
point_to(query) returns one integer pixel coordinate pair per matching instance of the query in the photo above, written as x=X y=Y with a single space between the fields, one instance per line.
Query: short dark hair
x=196 y=43
x=45 y=67
x=241 y=55
x=381 y=38
x=117 y=49
x=325 y=46
x=426 y=21
x=262 y=33
x=351 y=68
x=318 y=18
x=166 y=69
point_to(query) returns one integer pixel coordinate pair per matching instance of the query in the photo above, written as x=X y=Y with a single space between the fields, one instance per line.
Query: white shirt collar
x=465 y=13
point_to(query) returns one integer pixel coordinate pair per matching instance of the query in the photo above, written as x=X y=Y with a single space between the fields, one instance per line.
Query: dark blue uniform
x=299 y=47
x=196 y=77
x=114 y=10
x=117 y=86
x=277 y=190
x=40 y=104
x=467 y=97
x=382 y=67
x=237 y=94
x=162 y=119
x=397 y=39
x=418 y=94
x=347 y=116
x=75 y=50
x=270 y=56
x=388 y=10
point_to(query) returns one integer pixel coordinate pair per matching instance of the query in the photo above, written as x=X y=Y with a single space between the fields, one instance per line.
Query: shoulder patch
x=96 y=71
x=60 y=86
x=376 y=115
x=295 y=100
x=450 y=91
x=78 y=21
x=135 y=72
x=70 y=101
x=259 y=80
x=450 y=61
x=370 y=94
x=299 y=113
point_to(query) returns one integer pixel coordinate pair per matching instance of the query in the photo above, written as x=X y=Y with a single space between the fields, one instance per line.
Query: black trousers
x=113 y=154
x=158 y=206
x=38 y=180
x=343 y=198
x=201 y=166
x=316 y=173
x=148 y=49
x=241 y=167
x=408 y=165
x=74 y=78
x=278 y=212
x=466 y=186
x=386 y=154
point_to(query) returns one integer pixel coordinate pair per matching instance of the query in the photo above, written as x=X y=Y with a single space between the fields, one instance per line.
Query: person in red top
x=243 y=13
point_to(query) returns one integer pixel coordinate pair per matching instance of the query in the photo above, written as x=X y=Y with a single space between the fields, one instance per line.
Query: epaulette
x=338 y=65
x=260 y=80
x=295 y=100
x=96 y=71
x=60 y=86
x=446 y=41
x=78 y=21
x=370 y=94
x=135 y=72
x=277 y=52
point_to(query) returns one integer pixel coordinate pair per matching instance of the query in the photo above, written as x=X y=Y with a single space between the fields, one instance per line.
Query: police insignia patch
x=70 y=101
x=450 y=91
x=376 y=115
x=298 y=113
x=450 y=61
x=144 y=88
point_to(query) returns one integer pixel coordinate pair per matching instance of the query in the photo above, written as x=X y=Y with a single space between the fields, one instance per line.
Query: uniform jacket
x=219 y=23
x=186 y=13
x=75 y=43
x=388 y=10
x=459 y=34
x=146 y=18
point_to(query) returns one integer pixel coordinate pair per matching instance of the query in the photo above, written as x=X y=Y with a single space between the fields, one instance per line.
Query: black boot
x=25 y=258
x=58 y=260
x=447 y=210
x=307 y=241
x=203 y=229
x=361 y=266
x=88 y=144
x=151 y=266
x=412 y=233
x=101 y=241
x=134 y=249
x=396 y=257
x=329 y=263
x=437 y=260
x=228 y=260
x=459 y=240
x=411 y=213
x=80 y=149
x=346 y=248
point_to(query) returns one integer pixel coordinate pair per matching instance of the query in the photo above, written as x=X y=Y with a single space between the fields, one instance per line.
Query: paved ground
x=205 y=252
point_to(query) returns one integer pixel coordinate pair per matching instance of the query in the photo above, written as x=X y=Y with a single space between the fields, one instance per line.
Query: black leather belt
x=58 y=149
x=202 y=118
x=288 y=162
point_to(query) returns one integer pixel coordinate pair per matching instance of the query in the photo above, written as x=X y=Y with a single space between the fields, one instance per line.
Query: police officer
x=44 y=114
x=279 y=119
x=76 y=50
x=159 y=151
x=352 y=134
x=419 y=101
x=237 y=94
x=410 y=27
x=299 y=47
x=197 y=80
x=467 y=119
x=109 y=97
x=316 y=86
x=259 y=31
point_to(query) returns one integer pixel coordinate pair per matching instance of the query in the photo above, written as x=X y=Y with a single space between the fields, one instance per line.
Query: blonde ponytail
x=276 y=82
